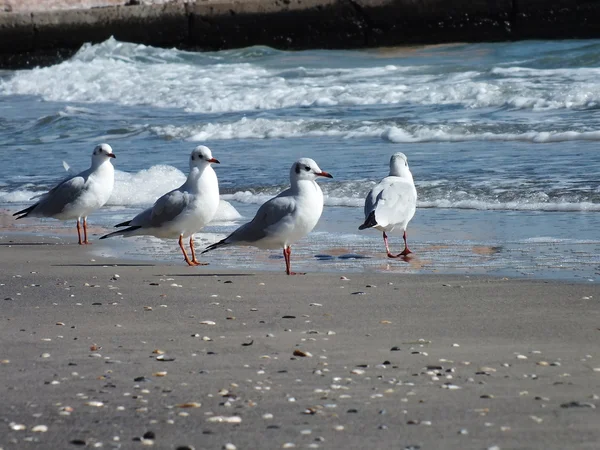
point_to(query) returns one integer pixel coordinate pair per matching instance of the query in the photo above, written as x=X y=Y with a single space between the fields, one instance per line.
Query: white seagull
x=286 y=218
x=392 y=202
x=183 y=211
x=78 y=195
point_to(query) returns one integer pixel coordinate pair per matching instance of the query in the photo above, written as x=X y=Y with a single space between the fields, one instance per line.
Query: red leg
x=85 y=239
x=406 y=250
x=185 y=256
x=194 y=260
x=287 y=254
x=79 y=232
x=387 y=247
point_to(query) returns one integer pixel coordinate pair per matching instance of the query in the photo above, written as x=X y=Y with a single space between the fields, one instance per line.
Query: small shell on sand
x=225 y=419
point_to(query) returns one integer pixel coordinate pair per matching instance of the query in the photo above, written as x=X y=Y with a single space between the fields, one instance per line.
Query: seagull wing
x=168 y=207
x=393 y=200
x=270 y=218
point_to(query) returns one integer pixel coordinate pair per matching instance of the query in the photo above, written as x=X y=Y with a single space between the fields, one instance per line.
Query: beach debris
x=95 y=348
x=246 y=344
x=40 y=429
x=395 y=349
x=162 y=373
x=302 y=353
x=165 y=358
x=208 y=322
x=229 y=446
x=189 y=405
x=288 y=317
x=344 y=278
x=78 y=442
x=358 y=293
x=225 y=419
x=576 y=404
x=95 y=403
x=536 y=419
x=17 y=426
x=45 y=355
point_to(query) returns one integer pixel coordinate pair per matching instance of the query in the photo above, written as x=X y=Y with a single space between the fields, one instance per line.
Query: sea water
x=502 y=140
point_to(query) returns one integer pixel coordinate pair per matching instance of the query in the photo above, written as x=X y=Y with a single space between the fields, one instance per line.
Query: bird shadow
x=104 y=265
x=207 y=275
x=14 y=244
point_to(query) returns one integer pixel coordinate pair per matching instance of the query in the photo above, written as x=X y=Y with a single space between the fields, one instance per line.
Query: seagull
x=392 y=203
x=78 y=195
x=183 y=211
x=286 y=218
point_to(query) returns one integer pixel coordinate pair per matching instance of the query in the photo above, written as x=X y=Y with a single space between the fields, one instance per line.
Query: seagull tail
x=24 y=212
x=124 y=232
x=221 y=243
x=370 y=221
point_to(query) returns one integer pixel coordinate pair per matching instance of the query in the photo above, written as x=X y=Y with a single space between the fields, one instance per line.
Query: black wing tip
x=370 y=221
x=119 y=233
x=123 y=224
x=24 y=212
x=213 y=246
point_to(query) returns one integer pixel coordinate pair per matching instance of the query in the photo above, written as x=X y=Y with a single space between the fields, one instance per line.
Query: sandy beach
x=98 y=353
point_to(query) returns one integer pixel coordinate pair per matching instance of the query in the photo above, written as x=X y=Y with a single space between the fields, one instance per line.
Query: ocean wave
x=357 y=201
x=264 y=128
x=129 y=74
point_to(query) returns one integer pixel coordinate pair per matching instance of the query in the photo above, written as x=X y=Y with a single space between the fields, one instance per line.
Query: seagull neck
x=304 y=185
x=97 y=163
x=402 y=172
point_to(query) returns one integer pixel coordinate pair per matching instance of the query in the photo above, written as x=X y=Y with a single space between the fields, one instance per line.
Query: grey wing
x=395 y=203
x=168 y=207
x=61 y=195
x=269 y=216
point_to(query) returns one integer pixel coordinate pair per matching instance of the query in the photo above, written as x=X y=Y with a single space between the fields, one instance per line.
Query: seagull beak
x=214 y=160
x=325 y=174
x=112 y=155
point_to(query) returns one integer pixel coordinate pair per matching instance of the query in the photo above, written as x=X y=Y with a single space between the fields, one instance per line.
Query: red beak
x=214 y=160
x=325 y=174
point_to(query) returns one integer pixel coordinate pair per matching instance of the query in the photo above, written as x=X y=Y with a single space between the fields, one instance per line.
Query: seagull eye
x=307 y=168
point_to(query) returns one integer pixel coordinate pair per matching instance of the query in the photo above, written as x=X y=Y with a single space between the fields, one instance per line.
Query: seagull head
x=202 y=156
x=306 y=169
x=102 y=153
x=399 y=166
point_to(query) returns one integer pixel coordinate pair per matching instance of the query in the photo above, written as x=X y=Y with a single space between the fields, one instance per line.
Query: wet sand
x=259 y=360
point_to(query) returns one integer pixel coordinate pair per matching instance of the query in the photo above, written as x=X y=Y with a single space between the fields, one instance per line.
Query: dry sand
x=392 y=362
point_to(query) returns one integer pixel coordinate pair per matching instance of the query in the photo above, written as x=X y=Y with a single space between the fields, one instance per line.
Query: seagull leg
x=406 y=250
x=387 y=247
x=79 y=232
x=287 y=254
x=185 y=256
x=194 y=260
x=404 y=253
x=85 y=239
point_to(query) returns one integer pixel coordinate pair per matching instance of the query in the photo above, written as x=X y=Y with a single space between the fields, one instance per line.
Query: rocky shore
x=37 y=33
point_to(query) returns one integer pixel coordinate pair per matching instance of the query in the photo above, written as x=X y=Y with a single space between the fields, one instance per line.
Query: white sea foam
x=130 y=74
x=524 y=204
x=262 y=128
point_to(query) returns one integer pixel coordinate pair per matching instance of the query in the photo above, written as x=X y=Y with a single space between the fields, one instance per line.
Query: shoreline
x=31 y=36
x=97 y=353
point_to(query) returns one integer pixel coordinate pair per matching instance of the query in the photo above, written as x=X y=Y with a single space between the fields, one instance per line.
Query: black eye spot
x=297 y=168
x=307 y=168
